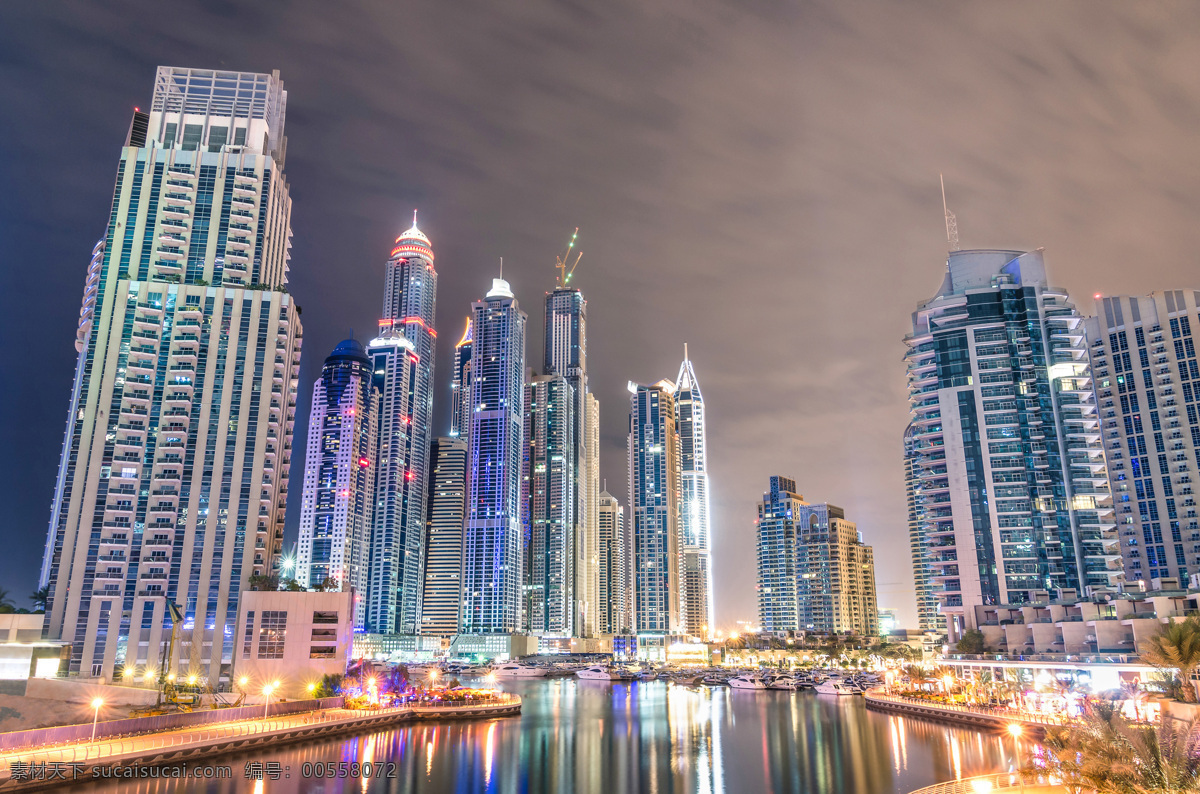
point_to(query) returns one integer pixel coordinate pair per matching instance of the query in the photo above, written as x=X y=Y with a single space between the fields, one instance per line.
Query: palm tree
x=40 y=598
x=1177 y=646
x=6 y=604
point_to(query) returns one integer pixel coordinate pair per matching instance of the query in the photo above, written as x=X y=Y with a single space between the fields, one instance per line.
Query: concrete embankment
x=958 y=715
x=21 y=771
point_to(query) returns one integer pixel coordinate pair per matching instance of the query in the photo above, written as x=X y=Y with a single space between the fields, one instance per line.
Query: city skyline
x=1015 y=189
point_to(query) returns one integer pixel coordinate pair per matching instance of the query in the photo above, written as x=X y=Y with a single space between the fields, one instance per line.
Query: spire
x=687 y=376
x=414 y=219
x=951 y=221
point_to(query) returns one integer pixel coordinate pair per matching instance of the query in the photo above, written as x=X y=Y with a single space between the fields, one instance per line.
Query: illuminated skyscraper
x=927 y=603
x=174 y=472
x=547 y=495
x=492 y=565
x=339 y=475
x=405 y=425
x=693 y=508
x=443 y=554
x=1143 y=353
x=587 y=545
x=778 y=609
x=654 y=509
x=1006 y=454
x=612 y=602
x=460 y=386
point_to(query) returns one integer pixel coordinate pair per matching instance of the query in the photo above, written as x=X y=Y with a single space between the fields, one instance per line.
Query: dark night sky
x=759 y=180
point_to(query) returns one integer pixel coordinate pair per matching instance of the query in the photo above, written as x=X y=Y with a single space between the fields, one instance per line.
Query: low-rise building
x=293 y=638
x=23 y=652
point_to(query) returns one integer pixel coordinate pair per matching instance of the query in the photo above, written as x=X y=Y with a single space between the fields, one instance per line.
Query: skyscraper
x=460 y=386
x=406 y=421
x=654 y=509
x=443 y=555
x=693 y=502
x=1147 y=381
x=835 y=573
x=778 y=608
x=394 y=571
x=547 y=514
x=927 y=603
x=612 y=601
x=174 y=472
x=566 y=355
x=492 y=566
x=1006 y=452
x=587 y=566
x=339 y=475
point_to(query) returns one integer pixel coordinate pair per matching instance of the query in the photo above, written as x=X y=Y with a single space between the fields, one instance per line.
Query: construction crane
x=170 y=699
x=563 y=263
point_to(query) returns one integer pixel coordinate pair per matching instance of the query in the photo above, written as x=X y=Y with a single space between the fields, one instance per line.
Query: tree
x=327 y=585
x=40 y=598
x=1177 y=646
x=329 y=686
x=6 y=605
x=972 y=641
x=259 y=581
x=292 y=586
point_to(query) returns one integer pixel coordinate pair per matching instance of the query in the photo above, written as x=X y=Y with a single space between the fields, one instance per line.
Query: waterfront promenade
x=77 y=759
x=978 y=716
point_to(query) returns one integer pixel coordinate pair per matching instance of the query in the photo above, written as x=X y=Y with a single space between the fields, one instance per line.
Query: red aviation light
x=408 y=475
x=363 y=462
x=419 y=322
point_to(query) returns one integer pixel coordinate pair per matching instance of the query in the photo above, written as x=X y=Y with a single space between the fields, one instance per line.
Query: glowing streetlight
x=243 y=681
x=311 y=689
x=192 y=679
x=96 y=704
x=1015 y=730
x=491 y=679
x=267 y=690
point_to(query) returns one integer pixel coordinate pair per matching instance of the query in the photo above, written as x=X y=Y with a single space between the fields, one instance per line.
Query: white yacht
x=834 y=687
x=747 y=682
x=518 y=670
x=784 y=682
x=599 y=672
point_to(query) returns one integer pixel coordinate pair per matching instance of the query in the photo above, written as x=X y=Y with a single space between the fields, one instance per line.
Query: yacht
x=785 y=682
x=518 y=670
x=747 y=682
x=834 y=687
x=599 y=672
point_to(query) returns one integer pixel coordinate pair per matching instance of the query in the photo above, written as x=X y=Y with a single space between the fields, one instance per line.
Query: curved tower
x=693 y=502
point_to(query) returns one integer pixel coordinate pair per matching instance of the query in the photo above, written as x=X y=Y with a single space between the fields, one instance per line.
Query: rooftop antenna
x=414 y=219
x=562 y=263
x=951 y=221
x=685 y=358
x=501 y=268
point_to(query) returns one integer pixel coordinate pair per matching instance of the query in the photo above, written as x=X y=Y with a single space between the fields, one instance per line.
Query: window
x=271 y=634
x=322 y=652
x=325 y=617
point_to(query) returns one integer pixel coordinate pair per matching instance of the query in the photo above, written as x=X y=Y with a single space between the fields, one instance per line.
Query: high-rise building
x=654 y=509
x=173 y=480
x=1006 y=453
x=612 y=601
x=693 y=502
x=492 y=568
x=548 y=500
x=927 y=604
x=394 y=570
x=778 y=608
x=443 y=551
x=460 y=386
x=339 y=475
x=1147 y=381
x=565 y=354
x=406 y=422
x=587 y=566
x=835 y=573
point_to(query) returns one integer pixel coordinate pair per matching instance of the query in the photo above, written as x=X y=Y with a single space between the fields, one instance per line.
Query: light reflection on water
x=594 y=737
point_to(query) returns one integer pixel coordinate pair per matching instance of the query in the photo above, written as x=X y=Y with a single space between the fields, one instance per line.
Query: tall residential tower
x=693 y=503
x=174 y=471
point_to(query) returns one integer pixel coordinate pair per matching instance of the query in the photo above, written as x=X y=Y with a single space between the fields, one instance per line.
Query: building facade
x=444 y=547
x=1147 y=380
x=835 y=573
x=291 y=640
x=588 y=544
x=693 y=503
x=547 y=507
x=776 y=553
x=394 y=569
x=1010 y=476
x=654 y=509
x=460 y=386
x=173 y=480
x=612 y=602
x=928 y=618
x=339 y=475
x=492 y=565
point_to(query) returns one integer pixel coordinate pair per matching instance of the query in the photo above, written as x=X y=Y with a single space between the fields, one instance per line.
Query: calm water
x=593 y=736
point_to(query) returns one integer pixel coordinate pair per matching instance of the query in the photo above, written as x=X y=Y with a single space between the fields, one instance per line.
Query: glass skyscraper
x=339 y=475
x=173 y=480
x=654 y=509
x=613 y=607
x=1143 y=352
x=460 y=386
x=406 y=422
x=1010 y=479
x=443 y=554
x=778 y=609
x=927 y=604
x=693 y=508
x=492 y=565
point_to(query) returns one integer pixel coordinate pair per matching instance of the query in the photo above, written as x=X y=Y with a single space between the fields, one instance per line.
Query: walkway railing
x=979 y=784
x=1013 y=715
x=167 y=742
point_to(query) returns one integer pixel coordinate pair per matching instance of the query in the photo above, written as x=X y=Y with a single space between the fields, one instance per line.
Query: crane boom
x=563 y=263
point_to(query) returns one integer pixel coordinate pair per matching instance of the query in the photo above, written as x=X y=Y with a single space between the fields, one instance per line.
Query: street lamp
x=96 y=704
x=267 y=690
x=1015 y=730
